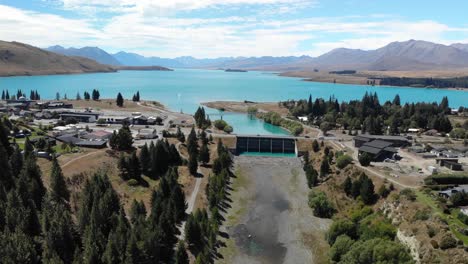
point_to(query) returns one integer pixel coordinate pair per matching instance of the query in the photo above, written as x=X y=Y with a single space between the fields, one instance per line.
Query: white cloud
x=163 y=7
x=136 y=31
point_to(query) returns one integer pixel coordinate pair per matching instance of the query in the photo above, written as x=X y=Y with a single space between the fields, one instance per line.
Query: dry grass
x=242 y=107
x=109 y=104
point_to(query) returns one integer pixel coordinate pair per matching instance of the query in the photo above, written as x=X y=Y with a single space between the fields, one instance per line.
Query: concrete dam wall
x=266 y=144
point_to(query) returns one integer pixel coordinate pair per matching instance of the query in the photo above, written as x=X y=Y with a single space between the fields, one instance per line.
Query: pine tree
x=324 y=167
x=159 y=160
x=123 y=166
x=145 y=159
x=30 y=175
x=204 y=155
x=137 y=212
x=7 y=95
x=193 y=165
x=6 y=174
x=16 y=161
x=120 y=100
x=311 y=175
x=28 y=148
x=192 y=144
x=315 y=146
x=3 y=95
x=367 y=190
x=347 y=186
x=58 y=187
x=135 y=169
x=4 y=132
x=181 y=256
x=180 y=135
x=57 y=232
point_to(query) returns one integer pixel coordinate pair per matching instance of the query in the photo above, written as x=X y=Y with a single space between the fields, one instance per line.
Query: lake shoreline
x=351 y=79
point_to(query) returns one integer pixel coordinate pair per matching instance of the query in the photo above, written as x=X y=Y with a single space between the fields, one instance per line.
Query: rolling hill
x=22 y=59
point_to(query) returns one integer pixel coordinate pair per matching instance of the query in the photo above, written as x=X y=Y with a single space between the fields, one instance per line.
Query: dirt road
x=270 y=221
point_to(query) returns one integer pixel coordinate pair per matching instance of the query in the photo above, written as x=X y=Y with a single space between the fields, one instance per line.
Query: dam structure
x=273 y=144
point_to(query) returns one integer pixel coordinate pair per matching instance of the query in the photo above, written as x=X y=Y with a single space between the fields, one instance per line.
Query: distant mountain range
x=402 y=56
x=413 y=55
x=22 y=59
x=93 y=53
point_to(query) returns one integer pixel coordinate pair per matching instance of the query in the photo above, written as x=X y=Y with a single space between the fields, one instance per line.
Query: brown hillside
x=22 y=59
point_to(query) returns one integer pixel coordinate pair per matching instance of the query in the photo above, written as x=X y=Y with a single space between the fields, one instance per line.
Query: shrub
x=341 y=227
x=132 y=182
x=318 y=201
x=431 y=231
x=228 y=129
x=220 y=124
x=409 y=194
x=422 y=215
x=343 y=160
x=365 y=159
x=342 y=245
x=447 y=242
x=383 y=191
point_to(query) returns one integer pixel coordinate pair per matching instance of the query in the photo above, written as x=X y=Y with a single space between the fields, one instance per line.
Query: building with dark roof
x=86 y=117
x=397 y=141
x=449 y=192
x=379 y=150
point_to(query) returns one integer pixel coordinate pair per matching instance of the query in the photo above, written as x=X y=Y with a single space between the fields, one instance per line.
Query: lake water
x=184 y=89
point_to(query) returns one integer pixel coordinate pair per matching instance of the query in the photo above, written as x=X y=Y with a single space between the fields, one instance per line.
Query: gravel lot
x=270 y=221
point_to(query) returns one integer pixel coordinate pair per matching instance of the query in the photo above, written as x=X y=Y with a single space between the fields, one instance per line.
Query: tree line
x=457 y=82
x=202 y=227
x=369 y=115
x=33 y=95
x=38 y=225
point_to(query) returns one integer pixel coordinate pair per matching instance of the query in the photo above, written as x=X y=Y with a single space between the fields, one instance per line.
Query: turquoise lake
x=184 y=89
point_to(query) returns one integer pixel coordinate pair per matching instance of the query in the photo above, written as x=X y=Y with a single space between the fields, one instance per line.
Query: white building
x=147 y=133
x=303 y=118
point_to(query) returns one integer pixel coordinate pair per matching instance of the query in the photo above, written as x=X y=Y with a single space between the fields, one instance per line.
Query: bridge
x=265 y=144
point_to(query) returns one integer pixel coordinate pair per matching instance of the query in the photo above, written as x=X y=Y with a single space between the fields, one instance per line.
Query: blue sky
x=218 y=28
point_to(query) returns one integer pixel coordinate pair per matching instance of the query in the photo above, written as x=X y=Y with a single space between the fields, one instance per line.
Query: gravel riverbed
x=269 y=220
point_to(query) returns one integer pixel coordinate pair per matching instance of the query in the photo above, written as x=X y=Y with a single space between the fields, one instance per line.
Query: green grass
x=452 y=220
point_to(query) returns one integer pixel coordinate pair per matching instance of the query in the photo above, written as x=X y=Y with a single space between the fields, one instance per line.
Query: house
x=65 y=130
x=379 y=150
x=397 y=141
x=431 y=132
x=147 y=133
x=54 y=105
x=464 y=210
x=416 y=149
x=414 y=130
x=449 y=192
x=303 y=118
x=451 y=163
x=115 y=119
x=49 y=140
x=85 y=117
x=92 y=143
x=98 y=135
x=140 y=120
x=70 y=139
